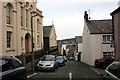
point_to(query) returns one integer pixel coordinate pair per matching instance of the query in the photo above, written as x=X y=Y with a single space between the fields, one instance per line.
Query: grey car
x=47 y=62
x=113 y=71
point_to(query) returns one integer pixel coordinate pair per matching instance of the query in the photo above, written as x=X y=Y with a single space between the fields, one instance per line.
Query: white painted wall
x=79 y=47
x=107 y=48
x=63 y=47
x=86 y=50
x=96 y=48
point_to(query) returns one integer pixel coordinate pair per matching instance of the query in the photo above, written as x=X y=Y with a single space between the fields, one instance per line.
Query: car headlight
x=39 y=64
x=52 y=64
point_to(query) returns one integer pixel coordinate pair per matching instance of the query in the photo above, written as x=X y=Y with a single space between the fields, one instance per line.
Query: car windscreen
x=59 y=58
x=48 y=58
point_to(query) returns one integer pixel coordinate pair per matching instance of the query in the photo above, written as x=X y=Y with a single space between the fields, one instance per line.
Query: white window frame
x=9 y=39
x=107 y=38
x=108 y=54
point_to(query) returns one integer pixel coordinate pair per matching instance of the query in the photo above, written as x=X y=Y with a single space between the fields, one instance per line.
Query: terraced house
x=116 y=31
x=97 y=40
x=22 y=30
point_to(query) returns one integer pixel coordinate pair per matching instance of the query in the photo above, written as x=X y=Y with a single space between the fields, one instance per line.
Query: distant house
x=97 y=38
x=65 y=44
x=72 y=46
x=49 y=38
x=78 y=41
x=116 y=31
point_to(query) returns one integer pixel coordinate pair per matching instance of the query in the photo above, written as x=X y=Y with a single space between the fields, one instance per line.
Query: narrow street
x=71 y=71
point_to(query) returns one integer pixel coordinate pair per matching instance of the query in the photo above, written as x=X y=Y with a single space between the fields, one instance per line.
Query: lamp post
x=36 y=14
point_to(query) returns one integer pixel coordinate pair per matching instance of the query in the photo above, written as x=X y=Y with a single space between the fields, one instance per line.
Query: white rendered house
x=97 y=40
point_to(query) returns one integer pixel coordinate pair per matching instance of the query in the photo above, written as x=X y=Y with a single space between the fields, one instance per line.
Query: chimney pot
x=86 y=16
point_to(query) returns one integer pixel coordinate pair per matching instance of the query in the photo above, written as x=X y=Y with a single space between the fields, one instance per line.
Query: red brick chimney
x=86 y=16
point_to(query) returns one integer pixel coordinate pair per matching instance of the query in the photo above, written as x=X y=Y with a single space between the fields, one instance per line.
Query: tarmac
x=99 y=71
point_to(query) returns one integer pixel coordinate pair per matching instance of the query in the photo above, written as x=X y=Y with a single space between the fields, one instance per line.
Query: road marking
x=95 y=70
x=70 y=76
x=31 y=75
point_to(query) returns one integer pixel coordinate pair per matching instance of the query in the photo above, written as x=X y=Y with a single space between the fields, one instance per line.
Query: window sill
x=38 y=32
x=9 y=25
x=38 y=46
x=24 y=28
x=9 y=50
x=22 y=49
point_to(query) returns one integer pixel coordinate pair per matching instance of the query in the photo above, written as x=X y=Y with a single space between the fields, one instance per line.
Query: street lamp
x=36 y=14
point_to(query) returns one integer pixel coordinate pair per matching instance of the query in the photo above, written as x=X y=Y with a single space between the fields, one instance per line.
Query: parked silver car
x=47 y=62
x=113 y=71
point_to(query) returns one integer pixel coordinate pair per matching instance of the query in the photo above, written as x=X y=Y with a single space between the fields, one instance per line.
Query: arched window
x=22 y=16
x=38 y=25
x=21 y=42
x=8 y=13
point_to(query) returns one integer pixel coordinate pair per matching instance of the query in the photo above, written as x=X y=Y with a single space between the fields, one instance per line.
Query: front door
x=27 y=37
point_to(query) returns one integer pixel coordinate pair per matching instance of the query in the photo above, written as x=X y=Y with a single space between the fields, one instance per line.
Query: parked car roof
x=113 y=71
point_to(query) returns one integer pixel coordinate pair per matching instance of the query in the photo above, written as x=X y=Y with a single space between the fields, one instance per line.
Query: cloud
x=73 y=1
x=68 y=15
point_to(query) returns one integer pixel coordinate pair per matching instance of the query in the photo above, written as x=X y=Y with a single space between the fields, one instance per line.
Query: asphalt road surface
x=71 y=71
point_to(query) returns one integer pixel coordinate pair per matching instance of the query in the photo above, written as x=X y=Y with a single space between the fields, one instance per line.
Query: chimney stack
x=86 y=16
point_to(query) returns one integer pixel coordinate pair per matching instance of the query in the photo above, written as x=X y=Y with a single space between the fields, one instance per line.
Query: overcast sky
x=68 y=15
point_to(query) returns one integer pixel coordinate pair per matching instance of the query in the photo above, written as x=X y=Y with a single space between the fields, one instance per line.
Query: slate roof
x=100 y=26
x=115 y=11
x=47 y=31
x=70 y=40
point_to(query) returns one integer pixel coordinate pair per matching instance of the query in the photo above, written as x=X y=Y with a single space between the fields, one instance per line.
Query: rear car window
x=115 y=69
x=15 y=63
x=5 y=65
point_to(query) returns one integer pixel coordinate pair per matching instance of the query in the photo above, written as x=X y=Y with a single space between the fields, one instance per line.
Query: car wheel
x=57 y=67
x=54 y=68
x=64 y=64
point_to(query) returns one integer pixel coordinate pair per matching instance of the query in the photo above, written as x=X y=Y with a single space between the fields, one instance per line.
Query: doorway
x=27 y=43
